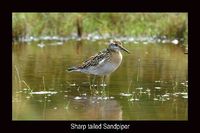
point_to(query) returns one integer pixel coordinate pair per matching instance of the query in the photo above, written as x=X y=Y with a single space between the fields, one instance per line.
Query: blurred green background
x=171 y=25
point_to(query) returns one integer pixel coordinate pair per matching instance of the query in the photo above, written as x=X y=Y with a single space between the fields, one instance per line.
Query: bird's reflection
x=96 y=108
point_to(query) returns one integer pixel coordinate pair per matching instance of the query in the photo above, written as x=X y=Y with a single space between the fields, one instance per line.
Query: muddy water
x=150 y=84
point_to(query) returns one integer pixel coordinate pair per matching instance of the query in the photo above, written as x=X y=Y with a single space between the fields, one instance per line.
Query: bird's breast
x=116 y=58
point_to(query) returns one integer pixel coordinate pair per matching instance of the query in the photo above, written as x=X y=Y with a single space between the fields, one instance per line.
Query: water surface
x=150 y=84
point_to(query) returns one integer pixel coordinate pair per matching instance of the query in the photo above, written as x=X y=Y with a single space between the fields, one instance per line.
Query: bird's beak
x=124 y=49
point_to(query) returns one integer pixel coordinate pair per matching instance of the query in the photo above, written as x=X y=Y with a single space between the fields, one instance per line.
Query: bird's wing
x=96 y=59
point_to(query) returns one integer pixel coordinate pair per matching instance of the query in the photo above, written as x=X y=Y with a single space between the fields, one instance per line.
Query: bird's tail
x=71 y=69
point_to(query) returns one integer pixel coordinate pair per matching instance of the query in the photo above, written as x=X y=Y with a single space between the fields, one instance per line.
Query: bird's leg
x=90 y=83
x=104 y=81
x=94 y=91
x=103 y=85
x=93 y=81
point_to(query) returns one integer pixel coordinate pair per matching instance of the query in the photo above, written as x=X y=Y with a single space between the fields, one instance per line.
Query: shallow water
x=150 y=84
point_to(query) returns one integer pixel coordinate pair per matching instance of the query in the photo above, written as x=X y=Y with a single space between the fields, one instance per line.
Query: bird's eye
x=115 y=44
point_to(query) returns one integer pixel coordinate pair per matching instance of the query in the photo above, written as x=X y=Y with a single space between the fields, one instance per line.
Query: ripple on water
x=185 y=97
x=126 y=94
x=77 y=98
x=44 y=92
x=157 y=88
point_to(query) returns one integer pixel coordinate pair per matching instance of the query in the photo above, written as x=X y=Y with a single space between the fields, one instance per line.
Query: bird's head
x=116 y=46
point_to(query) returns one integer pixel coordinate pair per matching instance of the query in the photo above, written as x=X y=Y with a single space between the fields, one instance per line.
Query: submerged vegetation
x=170 y=25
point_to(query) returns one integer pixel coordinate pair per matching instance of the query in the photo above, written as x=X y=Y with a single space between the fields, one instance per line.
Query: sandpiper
x=104 y=62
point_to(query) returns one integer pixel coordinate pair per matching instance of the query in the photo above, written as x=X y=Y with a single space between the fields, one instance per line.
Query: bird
x=104 y=62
